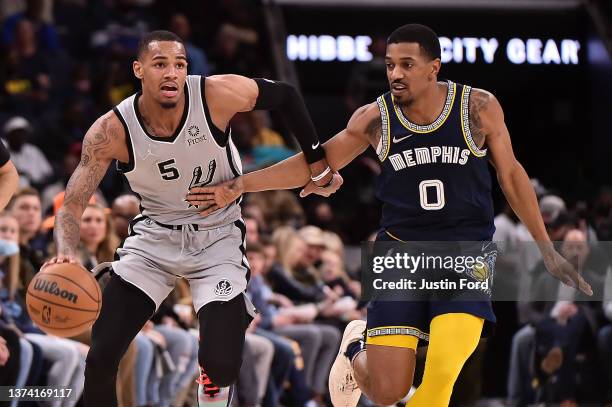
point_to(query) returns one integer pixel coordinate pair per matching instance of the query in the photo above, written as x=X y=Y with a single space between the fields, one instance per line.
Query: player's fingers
x=209 y=210
x=581 y=284
x=307 y=190
x=202 y=190
x=193 y=197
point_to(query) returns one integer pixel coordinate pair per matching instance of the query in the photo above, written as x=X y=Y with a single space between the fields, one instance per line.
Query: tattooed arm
x=363 y=129
x=488 y=127
x=100 y=145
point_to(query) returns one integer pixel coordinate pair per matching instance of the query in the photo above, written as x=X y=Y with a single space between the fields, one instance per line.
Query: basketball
x=64 y=299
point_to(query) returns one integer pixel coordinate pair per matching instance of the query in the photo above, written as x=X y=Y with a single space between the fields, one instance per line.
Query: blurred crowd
x=65 y=62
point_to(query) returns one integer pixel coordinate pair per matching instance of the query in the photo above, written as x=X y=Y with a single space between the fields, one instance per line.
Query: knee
x=100 y=364
x=222 y=368
x=385 y=393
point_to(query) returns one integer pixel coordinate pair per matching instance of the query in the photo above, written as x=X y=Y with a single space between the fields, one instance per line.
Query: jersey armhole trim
x=129 y=166
x=230 y=159
x=221 y=137
x=385 y=137
x=465 y=123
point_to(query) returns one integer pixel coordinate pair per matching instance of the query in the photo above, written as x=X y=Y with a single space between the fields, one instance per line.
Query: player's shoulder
x=107 y=129
x=482 y=98
x=226 y=82
x=363 y=118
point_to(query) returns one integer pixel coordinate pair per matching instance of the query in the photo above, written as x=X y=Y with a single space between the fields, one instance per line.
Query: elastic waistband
x=173 y=227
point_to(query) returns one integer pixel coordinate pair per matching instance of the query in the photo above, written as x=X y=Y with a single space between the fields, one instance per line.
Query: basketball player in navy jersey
x=170 y=136
x=434 y=140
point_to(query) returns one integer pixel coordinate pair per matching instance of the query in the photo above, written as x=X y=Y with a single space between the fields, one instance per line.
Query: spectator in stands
x=604 y=341
x=318 y=342
x=124 y=209
x=66 y=357
x=196 y=58
x=25 y=207
x=31 y=163
x=45 y=33
x=284 y=360
x=30 y=356
x=25 y=74
x=236 y=50
x=279 y=208
x=69 y=163
x=98 y=238
x=569 y=327
x=257 y=356
x=552 y=306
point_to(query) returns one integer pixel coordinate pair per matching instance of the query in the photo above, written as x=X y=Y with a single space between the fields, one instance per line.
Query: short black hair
x=159 y=35
x=424 y=36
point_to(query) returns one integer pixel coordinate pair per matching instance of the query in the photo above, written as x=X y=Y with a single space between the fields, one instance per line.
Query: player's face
x=409 y=72
x=163 y=71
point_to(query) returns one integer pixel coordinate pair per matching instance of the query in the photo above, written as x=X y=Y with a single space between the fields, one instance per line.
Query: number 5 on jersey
x=169 y=172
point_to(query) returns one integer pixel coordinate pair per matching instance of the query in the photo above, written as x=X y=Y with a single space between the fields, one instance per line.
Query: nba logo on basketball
x=46 y=314
x=224 y=288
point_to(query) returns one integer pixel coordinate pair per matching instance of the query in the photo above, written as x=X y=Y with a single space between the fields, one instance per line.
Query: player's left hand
x=565 y=271
x=215 y=197
x=311 y=188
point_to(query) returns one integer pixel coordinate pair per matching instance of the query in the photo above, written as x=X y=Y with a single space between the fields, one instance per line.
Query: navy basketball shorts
x=402 y=323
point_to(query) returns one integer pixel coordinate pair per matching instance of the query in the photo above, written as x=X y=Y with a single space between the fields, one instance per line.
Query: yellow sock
x=452 y=339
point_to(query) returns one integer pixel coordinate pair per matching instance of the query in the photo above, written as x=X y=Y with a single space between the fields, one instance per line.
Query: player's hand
x=215 y=197
x=311 y=188
x=565 y=271
x=61 y=258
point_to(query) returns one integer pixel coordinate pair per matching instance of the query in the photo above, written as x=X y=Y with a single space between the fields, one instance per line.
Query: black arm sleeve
x=287 y=100
x=4 y=155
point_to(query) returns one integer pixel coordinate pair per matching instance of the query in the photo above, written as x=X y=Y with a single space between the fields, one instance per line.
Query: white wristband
x=321 y=175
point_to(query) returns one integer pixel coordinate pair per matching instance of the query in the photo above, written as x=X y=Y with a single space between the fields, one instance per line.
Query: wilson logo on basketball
x=53 y=289
x=224 y=288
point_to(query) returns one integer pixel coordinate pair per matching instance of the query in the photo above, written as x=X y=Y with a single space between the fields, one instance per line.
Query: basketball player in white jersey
x=172 y=136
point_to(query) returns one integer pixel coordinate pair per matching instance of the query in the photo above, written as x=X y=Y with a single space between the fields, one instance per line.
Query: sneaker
x=210 y=394
x=343 y=388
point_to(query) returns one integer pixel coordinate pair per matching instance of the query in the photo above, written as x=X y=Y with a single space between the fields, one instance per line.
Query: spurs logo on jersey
x=162 y=169
x=435 y=182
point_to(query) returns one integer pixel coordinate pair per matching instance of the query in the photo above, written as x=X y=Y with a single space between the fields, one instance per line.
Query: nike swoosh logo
x=397 y=140
x=314 y=146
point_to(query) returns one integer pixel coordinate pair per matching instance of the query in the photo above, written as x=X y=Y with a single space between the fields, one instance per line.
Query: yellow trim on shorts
x=396 y=340
x=394 y=237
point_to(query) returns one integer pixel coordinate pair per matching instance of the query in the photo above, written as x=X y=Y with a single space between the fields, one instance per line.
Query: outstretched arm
x=99 y=146
x=233 y=93
x=487 y=122
x=362 y=130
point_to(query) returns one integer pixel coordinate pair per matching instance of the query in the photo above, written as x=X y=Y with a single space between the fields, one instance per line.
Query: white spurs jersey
x=162 y=169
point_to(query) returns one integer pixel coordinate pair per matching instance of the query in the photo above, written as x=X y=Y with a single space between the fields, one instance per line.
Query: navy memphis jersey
x=435 y=182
